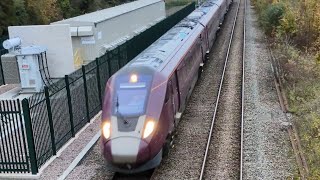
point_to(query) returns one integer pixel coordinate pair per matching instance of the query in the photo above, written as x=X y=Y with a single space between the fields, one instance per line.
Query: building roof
x=105 y=14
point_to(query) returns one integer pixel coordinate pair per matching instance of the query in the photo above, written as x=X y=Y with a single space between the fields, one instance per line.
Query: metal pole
x=99 y=81
x=30 y=138
x=46 y=92
x=1 y=70
x=86 y=92
x=66 y=79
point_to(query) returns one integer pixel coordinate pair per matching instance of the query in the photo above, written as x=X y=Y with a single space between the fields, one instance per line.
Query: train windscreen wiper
x=119 y=114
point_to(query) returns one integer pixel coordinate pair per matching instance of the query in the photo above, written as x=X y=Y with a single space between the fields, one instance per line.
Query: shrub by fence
x=53 y=117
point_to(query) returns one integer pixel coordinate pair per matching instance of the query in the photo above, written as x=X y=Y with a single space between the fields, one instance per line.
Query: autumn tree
x=66 y=8
x=43 y=12
x=21 y=14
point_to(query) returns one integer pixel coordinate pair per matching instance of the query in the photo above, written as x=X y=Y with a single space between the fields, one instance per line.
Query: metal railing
x=51 y=118
x=13 y=149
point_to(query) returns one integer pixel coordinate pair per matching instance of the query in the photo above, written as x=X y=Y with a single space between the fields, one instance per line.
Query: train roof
x=158 y=54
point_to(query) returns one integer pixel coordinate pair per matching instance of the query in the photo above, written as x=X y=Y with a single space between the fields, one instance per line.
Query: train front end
x=131 y=132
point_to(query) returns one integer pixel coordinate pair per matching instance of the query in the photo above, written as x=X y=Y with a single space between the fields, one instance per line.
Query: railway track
x=223 y=152
x=186 y=158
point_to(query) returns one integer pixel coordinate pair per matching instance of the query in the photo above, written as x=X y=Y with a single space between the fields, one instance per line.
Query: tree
x=66 y=8
x=22 y=16
x=7 y=15
x=43 y=12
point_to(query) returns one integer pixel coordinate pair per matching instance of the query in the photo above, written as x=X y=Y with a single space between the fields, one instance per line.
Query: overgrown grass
x=302 y=83
x=294 y=28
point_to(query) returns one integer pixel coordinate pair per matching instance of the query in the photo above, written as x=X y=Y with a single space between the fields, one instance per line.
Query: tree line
x=37 y=12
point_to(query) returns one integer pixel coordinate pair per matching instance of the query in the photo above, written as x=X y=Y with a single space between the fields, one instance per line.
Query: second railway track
x=186 y=159
x=223 y=154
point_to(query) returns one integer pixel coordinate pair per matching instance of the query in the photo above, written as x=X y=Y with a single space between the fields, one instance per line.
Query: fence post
x=30 y=139
x=85 y=91
x=66 y=79
x=46 y=92
x=99 y=81
x=1 y=71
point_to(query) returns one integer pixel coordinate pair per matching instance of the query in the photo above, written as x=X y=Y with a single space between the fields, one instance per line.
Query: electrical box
x=29 y=59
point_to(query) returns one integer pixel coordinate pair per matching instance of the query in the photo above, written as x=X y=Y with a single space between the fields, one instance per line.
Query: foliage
x=297 y=21
x=271 y=17
x=302 y=77
x=7 y=14
x=43 y=12
x=294 y=27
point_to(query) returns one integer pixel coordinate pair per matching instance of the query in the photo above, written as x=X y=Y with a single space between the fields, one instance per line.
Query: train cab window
x=131 y=102
x=131 y=95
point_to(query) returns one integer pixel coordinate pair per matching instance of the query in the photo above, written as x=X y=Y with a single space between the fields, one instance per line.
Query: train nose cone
x=125 y=150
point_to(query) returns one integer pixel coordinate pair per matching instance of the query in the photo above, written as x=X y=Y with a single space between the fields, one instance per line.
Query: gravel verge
x=92 y=167
x=62 y=162
x=266 y=142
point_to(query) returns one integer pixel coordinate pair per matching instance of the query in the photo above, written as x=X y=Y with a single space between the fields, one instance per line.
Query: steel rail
x=243 y=88
x=219 y=93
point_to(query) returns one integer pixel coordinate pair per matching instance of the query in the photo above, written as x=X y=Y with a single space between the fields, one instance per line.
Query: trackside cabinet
x=29 y=61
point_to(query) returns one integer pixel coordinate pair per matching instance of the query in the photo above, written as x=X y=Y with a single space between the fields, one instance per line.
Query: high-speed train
x=145 y=99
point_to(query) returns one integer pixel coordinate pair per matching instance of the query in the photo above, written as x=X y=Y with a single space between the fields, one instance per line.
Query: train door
x=206 y=40
x=175 y=96
x=202 y=45
x=169 y=107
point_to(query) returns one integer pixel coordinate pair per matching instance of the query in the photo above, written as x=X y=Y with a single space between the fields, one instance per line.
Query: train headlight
x=148 y=129
x=106 y=130
x=134 y=78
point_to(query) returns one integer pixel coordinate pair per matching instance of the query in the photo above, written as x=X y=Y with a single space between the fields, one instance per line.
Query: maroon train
x=145 y=99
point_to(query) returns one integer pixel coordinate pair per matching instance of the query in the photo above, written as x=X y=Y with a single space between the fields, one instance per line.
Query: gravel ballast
x=266 y=141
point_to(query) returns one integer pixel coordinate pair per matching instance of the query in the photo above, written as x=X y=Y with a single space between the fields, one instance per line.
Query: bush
x=271 y=17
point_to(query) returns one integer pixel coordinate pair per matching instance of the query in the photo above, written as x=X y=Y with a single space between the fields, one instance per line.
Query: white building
x=93 y=33
x=72 y=41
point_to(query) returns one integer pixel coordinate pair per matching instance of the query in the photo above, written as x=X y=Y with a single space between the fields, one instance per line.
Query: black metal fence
x=53 y=117
x=13 y=149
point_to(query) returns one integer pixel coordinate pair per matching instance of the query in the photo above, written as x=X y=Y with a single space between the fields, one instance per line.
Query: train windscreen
x=131 y=95
x=131 y=101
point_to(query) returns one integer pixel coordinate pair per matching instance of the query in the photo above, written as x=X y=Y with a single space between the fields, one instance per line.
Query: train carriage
x=145 y=99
